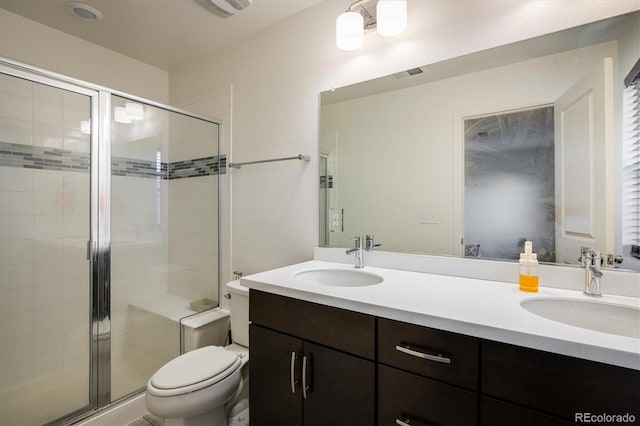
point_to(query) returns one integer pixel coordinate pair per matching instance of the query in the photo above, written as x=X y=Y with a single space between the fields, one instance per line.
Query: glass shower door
x=164 y=234
x=45 y=277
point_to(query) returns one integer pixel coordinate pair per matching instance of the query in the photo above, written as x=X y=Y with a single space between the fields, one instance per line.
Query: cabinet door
x=341 y=389
x=414 y=400
x=272 y=400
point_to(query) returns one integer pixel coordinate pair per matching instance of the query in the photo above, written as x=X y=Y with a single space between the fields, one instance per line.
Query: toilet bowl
x=203 y=386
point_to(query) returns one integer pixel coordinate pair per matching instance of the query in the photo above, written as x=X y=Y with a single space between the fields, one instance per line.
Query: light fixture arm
x=367 y=10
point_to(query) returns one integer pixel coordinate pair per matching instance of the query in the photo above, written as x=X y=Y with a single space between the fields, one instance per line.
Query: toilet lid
x=193 y=367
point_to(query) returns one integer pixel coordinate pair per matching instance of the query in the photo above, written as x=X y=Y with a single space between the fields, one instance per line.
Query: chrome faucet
x=358 y=251
x=369 y=243
x=591 y=260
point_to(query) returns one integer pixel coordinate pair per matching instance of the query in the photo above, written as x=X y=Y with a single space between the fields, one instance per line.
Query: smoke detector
x=83 y=11
x=226 y=8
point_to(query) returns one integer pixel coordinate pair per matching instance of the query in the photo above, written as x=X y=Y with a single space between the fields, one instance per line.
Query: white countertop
x=485 y=309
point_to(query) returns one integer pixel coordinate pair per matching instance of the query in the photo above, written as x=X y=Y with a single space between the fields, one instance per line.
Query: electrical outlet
x=429 y=217
x=335 y=220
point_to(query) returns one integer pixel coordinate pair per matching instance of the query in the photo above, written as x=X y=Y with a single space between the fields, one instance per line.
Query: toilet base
x=210 y=418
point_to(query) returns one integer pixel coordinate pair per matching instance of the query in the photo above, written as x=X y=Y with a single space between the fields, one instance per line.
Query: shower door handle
x=92 y=247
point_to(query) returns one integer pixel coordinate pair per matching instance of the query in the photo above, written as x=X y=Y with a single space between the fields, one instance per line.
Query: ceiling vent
x=225 y=8
x=407 y=73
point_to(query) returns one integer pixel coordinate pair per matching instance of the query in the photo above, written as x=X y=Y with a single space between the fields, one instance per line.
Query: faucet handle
x=370 y=245
x=358 y=240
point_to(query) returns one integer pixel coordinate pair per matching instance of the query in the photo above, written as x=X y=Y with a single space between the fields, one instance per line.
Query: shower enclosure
x=108 y=237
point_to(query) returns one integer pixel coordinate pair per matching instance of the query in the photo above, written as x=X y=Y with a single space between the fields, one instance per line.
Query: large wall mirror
x=473 y=156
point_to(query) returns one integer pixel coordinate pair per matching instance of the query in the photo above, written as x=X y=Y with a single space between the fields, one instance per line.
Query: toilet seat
x=194 y=371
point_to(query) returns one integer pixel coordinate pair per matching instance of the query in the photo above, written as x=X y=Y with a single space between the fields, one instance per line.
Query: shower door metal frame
x=97 y=265
x=99 y=244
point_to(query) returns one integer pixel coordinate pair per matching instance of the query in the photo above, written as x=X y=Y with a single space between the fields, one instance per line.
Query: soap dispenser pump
x=528 y=269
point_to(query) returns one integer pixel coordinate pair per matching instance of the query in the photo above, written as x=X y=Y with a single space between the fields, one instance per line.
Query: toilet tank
x=239 y=307
x=205 y=329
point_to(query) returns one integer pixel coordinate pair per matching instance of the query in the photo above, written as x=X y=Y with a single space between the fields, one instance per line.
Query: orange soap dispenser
x=528 y=269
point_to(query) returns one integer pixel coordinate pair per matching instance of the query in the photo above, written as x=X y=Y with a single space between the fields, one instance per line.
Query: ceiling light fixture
x=120 y=115
x=134 y=110
x=83 y=11
x=388 y=16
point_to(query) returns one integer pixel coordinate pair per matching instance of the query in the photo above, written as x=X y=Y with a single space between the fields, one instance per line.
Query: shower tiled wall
x=44 y=275
x=193 y=212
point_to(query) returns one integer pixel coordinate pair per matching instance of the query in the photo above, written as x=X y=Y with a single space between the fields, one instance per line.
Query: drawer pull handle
x=411 y=422
x=293 y=372
x=409 y=350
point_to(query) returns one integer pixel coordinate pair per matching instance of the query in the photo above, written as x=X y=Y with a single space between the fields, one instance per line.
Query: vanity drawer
x=441 y=355
x=499 y=413
x=558 y=384
x=344 y=330
x=416 y=400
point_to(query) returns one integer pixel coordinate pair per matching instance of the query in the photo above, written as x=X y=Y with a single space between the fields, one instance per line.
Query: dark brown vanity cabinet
x=426 y=376
x=557 y=385
x=317 y=365
x=311 y=365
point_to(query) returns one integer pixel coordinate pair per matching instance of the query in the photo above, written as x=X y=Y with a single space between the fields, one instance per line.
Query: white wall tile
x=48 y=272
x=15 y=349
x=15 y=276
x=16 y=252
x=15 y=107
x=17 y=373
x=47 y=203
x=15 y=325
x=48 y=94
x=48 y=294
x=76 y=271
x=16 y=300
x=48 y=250
x=16 y=131
x=15 y=86
x=47 y=113
x=47 y=181
x=48 y=317
x=76 y=226
x=16 y=203
x=48 y=227
x=16 y=179
x=75 y=141
x=76 y=100
x=16 y=227
x=47 y=136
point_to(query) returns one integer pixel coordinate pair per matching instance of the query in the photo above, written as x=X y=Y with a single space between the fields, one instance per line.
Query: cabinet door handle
x=293 y=372
x=305 y=386
x=411 y=422
x=411 y=350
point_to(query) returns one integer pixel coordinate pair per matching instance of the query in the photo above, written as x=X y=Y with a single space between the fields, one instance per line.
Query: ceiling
x=163 y=33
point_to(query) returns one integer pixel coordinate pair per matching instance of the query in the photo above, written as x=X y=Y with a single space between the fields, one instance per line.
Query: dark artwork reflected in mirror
x=509 y=184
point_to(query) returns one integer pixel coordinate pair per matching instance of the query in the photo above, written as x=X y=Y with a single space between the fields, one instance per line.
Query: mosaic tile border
x=42 y=158
x=34 y=157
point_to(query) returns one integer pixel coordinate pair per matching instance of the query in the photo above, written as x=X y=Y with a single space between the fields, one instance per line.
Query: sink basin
x=339 y=277
x=593 y=315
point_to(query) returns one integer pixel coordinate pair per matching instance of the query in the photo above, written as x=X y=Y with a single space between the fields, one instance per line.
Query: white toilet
x=208 y=384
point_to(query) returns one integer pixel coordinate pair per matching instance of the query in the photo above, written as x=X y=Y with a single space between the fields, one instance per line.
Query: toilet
x=208 y=384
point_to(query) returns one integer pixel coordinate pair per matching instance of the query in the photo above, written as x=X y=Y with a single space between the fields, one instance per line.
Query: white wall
x=32 y=43
x=278 y=74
